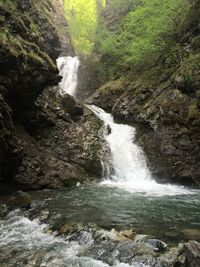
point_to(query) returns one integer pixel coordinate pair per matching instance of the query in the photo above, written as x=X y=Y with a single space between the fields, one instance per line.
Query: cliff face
x=27 y=55
x=37 y=131
x=163 y=103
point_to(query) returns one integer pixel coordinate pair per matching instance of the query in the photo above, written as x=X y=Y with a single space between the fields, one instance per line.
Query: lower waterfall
x=127 y=167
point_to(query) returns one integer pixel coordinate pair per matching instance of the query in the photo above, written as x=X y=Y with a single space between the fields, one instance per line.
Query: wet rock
x=126 y=251
x=111 y=90
x=44 y=215
x=191 y=251
x=66 y=229
x=21 y=199
x=166 y=131
x=171 y=257
x=116 y=236
x=108 y=129
x=2 y=209
x=71 y=106
x=158 y=245
x=191 y=234
x=141 y=238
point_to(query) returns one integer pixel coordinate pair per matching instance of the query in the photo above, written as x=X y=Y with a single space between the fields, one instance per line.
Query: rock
x=117 y=236
x=191 y=251
x=45 y=141
x=66 y=229
x=21 y=200
x=71 y=106
x=2 y=209
x=43 y=216
x=191 y=234
x=127 y=234
x=171 y=257
x=158 y=245
x=108 y=129
x=110 y=91
x=141 y=238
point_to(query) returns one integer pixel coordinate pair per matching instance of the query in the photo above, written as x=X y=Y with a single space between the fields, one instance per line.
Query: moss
x=113 y=86
x=193 y=112
x=198 y=94
x=34 y=27
x=35 y=58
x=196 y=42
x=190 y=72
x=20 y=200
x=8 y=5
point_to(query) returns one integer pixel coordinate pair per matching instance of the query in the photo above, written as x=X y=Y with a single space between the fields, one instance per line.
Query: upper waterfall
x=68 y=67
x=127 y=167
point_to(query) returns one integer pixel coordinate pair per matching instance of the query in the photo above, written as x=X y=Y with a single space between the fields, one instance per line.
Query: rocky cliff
x=43 y=138
x=162 y=101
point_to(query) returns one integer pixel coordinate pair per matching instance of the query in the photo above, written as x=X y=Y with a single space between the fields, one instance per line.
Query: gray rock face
x=62 y=149
x=167 y=132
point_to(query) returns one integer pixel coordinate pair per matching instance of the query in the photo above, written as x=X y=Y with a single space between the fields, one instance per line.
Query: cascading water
x=68 y=67
x=127 y=167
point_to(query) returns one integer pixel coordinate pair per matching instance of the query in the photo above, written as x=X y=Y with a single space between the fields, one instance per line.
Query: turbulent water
x=127 y=167
x=68 y=67
x=25 y=243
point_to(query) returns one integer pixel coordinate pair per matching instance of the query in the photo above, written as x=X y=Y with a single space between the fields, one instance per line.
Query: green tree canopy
x=82 y=16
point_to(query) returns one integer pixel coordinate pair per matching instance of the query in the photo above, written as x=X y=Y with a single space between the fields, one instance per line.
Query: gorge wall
x=45 y=141
x=162 y=102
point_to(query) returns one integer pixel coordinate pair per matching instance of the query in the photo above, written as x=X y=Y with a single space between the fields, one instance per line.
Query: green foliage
x=82 y=16
x=146 y=33
x=118 y=6
x=8 y=4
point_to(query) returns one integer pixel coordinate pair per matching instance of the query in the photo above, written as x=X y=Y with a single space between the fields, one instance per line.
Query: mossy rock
x=188 y=78
x=21 y=200
x=196 y=42
x=193 y=112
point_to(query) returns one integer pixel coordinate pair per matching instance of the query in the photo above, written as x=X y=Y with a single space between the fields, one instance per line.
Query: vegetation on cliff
x=83 y=20
x=150 y=30
x=154 y=48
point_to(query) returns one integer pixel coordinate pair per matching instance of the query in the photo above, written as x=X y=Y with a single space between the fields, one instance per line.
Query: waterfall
x=127 y=167
x=68 y=69
x=123 y=161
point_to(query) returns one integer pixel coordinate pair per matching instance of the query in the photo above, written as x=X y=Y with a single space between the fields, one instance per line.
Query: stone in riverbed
x=114 y=235
x=191 y=251
x=21 y=200
x=157 y=245
x=191 y=234
x=44 y=215
x=65 y=229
